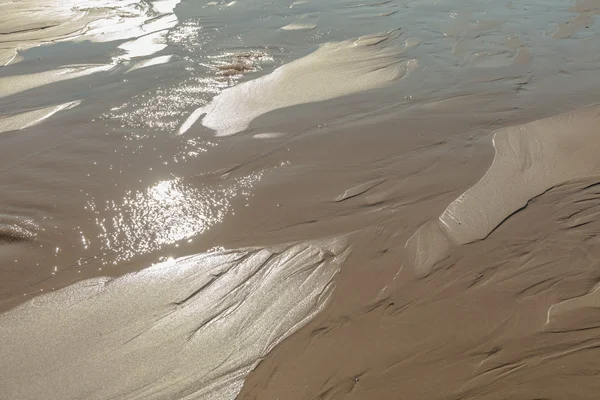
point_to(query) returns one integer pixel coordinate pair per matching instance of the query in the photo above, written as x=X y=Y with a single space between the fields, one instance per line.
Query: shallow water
x=112 y=155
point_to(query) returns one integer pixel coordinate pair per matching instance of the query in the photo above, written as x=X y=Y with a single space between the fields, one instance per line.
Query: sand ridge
x=333 y=70
x=530 y=159
x=29 y=118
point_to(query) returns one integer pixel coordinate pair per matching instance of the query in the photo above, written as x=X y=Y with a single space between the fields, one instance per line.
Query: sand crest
x=529 y=159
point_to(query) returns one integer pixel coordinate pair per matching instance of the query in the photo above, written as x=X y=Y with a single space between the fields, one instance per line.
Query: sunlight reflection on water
x=164 y=214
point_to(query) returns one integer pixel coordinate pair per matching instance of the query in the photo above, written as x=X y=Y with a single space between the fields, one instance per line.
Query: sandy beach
x=299 y=200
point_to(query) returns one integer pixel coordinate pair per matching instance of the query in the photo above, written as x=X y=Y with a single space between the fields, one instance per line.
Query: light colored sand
x=150 y=62
x=334 y=70
x=166 y=332
x=145 y=45
x=30 y=118
x=115 y=28
x=304 y=23
x=268 y=135
x=530 y=159
x=11 y=85
x=299 y=3
x=296 y=26
x=29 y=23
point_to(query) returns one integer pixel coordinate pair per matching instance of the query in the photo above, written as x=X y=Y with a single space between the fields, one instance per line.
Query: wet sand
x=278 y=203
x=511 y=316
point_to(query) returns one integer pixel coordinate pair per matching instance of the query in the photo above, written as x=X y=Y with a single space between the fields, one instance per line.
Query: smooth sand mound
x=529 y=160
x=334 y=70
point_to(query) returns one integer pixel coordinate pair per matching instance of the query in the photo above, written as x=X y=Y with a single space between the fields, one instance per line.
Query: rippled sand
x=165 y=332
x=299 y=199
x=530 y=159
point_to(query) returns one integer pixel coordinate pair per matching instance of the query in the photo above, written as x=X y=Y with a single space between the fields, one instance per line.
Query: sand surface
x=30 y=23
x=530 y=159
x=334 y=70
x=299 y=200
x=164 y=332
